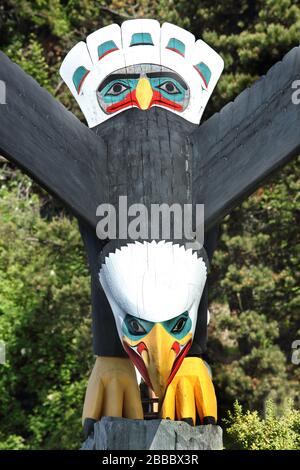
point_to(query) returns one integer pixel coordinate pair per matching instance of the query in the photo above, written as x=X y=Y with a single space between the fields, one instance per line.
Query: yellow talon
x=191 y=390
x=112 y=390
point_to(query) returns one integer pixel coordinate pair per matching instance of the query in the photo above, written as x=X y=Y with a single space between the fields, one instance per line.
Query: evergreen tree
x=44 y=293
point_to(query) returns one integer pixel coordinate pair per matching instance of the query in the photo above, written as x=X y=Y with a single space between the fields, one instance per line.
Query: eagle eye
x=135 y=327
x=179 y=325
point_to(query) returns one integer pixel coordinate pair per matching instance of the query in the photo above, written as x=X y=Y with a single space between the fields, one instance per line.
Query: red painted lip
x=130 y=100
x=157 y=98
x=139 y=363
x=178 y=361
x=126 y=103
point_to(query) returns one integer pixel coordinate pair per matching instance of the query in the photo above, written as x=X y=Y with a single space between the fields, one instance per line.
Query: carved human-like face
x=143 y=86
x=157 y=349
x=141 y=64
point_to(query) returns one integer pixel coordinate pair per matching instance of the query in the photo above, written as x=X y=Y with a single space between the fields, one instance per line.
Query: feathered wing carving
x=237 y=148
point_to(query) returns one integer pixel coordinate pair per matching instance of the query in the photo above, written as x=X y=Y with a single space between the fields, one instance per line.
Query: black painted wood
x=149 y=160
x=237 y=148
x=51 y=144
x=153 y=156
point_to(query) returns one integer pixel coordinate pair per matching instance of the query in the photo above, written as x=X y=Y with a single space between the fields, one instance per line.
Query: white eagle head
x=154 y=290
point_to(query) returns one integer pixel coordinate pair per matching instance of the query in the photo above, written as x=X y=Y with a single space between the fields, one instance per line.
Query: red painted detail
x=205 y=83
x=121 y=105
x=176 y=347
x=108 y=52
x=139 y=363
x=178 y=361
x=131 y=100
x=81 y=81
x=175 y=50
x=141 y=347
x=157 y=98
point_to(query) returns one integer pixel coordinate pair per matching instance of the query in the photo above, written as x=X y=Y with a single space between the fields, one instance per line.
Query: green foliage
x=31 y=59
x=276 y=431
x=12 y=442
x=44 y=295
x=256 y=297
x=251 y=366
x=44 y=321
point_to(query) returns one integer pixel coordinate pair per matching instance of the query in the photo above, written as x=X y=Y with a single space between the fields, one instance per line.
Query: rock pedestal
x=158 y=434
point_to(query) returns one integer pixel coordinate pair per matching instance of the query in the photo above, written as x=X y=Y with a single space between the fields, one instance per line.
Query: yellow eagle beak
x=144 y=93
x=159 y=358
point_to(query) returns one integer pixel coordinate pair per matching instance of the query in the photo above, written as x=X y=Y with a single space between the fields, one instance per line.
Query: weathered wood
x=148 y=157
x=237 y=148
x=51 y=144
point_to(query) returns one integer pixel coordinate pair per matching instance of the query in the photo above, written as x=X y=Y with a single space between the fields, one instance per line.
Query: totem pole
x=153 y=288
x=143 y=89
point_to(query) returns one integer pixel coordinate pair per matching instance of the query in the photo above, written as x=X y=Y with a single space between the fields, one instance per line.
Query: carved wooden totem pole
x=143 y=88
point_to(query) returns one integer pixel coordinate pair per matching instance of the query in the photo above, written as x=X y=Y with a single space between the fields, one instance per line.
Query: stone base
x=157 y=434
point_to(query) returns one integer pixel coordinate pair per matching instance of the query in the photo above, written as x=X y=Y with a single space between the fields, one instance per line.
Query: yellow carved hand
x=190 y=392
x=112 y=391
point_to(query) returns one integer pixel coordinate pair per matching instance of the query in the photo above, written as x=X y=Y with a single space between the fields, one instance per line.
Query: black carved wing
x=237 y=148
x=51 y=144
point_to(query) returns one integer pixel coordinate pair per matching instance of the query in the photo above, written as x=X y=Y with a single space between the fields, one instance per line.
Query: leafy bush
x=276 y=431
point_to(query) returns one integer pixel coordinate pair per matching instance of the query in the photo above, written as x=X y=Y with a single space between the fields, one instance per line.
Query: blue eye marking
x=135 y=328
x=170 y=88
x=117 y=89
x=179 y=326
